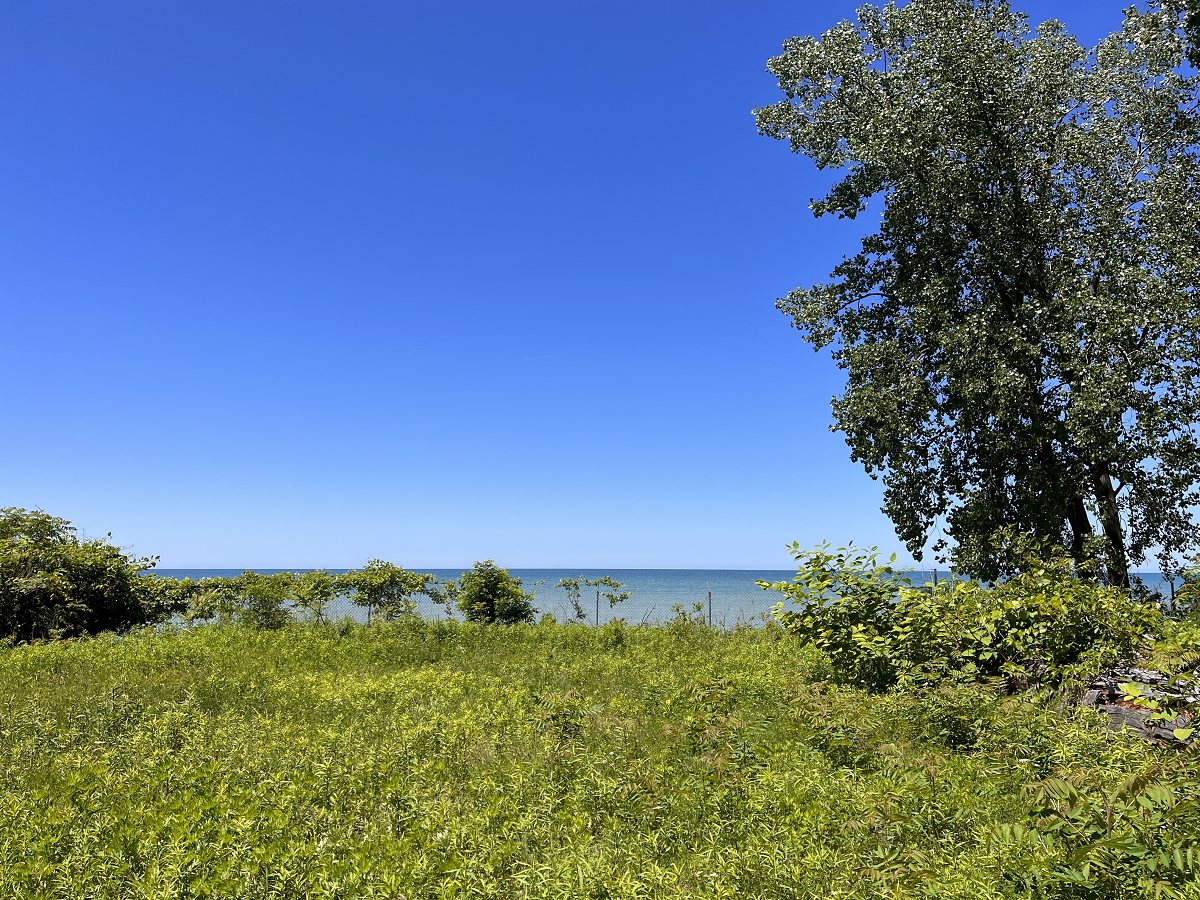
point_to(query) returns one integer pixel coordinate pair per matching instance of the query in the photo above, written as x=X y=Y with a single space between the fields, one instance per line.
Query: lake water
x=656 y=593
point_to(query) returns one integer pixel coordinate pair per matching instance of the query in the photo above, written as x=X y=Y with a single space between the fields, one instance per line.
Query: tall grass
x=439 y=760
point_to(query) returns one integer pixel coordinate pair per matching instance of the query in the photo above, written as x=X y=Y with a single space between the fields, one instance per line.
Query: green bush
x=251 y=599
x=55 y=585
x=488 y=594
x=1140 y=838
x=1045 y=626
x=314 y=593
x=387 y=590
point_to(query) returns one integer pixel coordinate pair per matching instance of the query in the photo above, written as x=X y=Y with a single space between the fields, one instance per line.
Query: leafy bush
x=1140 y=839
x=52 y=584
x=314 y=593
x=387 y=590
x=262 y=599
x=488 y=594
x=1045 y=626
x=252 y=599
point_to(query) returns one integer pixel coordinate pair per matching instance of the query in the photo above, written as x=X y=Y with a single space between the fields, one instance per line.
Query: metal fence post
x=597 y=607
x=709 y=583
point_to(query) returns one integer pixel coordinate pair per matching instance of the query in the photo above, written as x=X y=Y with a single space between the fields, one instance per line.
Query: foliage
x=315 y=591
x=1188 y=13
x=262 y=599
x=849 y=608
x=53 y=584
x=1140 y=839
x=1043 y=627
x=488 y=594
x=253 y=599
x=268 y=601
x=612 y=590
x=387 y=590
x=1175 y=655
x=445 y=759
x=164 y=598
x=1020 y=335
x=573 y=587
x=612 y=593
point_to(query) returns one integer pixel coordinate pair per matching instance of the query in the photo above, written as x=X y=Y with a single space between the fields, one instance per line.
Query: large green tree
x=1020 y=335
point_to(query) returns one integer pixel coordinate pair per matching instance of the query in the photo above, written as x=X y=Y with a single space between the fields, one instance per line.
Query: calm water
x=655 y=592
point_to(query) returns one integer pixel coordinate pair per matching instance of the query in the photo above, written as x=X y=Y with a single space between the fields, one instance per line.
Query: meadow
x=424 y=759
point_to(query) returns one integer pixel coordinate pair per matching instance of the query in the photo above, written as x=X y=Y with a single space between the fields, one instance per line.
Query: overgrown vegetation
x=446 y=759
x=1045 y=627
x=922 y=735
x=54 y=584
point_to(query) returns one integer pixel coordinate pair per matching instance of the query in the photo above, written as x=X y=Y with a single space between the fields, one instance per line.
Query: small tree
x=574 y=589
x=314 y=592
x=387 y=590
x=488 y=594
x=263 y=600
x=612 y=593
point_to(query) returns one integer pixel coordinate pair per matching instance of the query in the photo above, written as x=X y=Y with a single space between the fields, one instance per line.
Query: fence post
x=935 y=578
x=709 y=583
x=597 y=607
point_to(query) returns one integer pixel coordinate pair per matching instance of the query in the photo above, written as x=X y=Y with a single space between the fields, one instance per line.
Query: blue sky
x=292 y=284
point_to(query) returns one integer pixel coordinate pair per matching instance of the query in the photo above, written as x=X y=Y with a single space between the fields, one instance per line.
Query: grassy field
x=442 y=760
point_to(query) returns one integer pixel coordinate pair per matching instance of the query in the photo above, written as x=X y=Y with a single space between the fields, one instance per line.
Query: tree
x=613 y=594
x=55 y=585
x=488 y=594
x=573 y=587
x=1020 y=335
x=314 y=593
x=387 y=590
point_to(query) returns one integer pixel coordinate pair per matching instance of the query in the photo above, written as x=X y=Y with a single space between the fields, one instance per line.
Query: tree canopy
x=1020 y=335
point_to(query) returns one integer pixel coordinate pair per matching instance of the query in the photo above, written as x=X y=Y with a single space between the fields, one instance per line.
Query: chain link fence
x=723 y=609
x=723 y=603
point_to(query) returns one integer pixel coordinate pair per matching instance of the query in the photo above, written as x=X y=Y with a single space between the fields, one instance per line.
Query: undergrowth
x=436 y=760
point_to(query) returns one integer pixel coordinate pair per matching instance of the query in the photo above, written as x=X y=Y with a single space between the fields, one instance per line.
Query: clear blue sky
x=292 y=284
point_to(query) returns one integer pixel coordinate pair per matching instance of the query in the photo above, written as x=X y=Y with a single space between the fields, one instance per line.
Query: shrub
x=488 y=594
x=52 y=584
x=253 y=599
x=263 y=599
x=1140 y=839
x=1044 y=626
x=314 y=592
x=387 y=590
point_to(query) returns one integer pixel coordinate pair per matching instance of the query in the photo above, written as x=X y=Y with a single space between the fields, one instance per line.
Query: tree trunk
x=1081 y=527
x=1110 y=521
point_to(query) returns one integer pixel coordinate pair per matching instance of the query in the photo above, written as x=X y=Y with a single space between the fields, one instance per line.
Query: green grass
x=444 y=760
